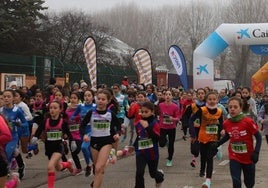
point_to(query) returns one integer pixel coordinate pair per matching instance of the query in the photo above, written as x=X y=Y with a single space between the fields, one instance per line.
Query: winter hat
x=83 y=84
x=13 y=83
x=75 y=84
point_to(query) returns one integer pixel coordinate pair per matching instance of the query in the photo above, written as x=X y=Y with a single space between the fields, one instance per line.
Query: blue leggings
x=85 y=147
x=11 y=147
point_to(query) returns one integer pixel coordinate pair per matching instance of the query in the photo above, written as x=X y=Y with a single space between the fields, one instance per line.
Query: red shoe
x=70 y=166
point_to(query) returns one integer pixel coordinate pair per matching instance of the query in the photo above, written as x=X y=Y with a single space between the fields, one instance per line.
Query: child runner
x=23 y=132
x=104 y=124
x=75 y=145
x=210 y=127
x=263 y=117
x=82 y=110
x=190 y=110
x=15 y=118
x=55 y=127
x=249 y=107
x=169 y=116
x=5 y=137
x=146 y=146
x=242 y=154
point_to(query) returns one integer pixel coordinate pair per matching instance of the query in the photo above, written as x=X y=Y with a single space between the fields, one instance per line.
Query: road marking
x=225 y=162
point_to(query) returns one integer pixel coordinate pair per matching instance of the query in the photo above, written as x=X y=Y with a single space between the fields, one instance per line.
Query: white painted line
x=225 y=162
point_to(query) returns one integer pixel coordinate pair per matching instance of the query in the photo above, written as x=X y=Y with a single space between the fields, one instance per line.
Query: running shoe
x=16 y=180
x=206 y=184
x=169 y=163
x=219 y=153
x=201 y=174
x=21 y=171
x=193 y=163
x=88 y=171
x=112 y=156
x=70 y=166
x=78 y=172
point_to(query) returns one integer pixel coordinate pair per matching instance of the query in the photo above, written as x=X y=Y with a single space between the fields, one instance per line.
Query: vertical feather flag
x=142 y=59
x=90 y=55
x=179 y=63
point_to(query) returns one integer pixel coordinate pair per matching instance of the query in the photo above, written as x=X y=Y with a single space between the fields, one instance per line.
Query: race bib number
x=74 y=127
x=212 y=129
x=101 y=125
x=167 y=120
x=54 y=135
x=145 y=143
x=239 y=147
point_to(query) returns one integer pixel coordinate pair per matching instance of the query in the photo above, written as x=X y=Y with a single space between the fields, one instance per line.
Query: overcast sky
x=96 y=5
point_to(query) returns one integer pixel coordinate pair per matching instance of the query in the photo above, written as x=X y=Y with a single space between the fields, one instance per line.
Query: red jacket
x=5 y=134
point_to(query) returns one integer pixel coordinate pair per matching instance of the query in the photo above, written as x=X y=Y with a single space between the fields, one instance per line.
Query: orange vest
x=209 y=127
x=194 y=108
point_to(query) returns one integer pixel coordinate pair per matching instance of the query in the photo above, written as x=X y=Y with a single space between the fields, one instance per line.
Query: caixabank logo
x=256 y=33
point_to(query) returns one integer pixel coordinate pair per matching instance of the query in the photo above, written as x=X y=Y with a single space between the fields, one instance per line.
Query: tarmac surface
x=122 y=174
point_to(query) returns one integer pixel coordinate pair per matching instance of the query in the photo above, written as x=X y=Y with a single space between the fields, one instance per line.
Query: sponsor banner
x=179 y=63
x=259 y=49
x=90 y=56
x=142 y=60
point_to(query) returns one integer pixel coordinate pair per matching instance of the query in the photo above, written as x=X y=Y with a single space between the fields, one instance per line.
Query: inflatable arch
x=255 y=35
x=259 y=78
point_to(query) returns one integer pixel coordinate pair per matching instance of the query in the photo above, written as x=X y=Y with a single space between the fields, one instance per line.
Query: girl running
x=169 y=116
x=54 y=127
x=15 y=118
x=240 y=130
x=146 y=146
x=75 y=145
x=82 y=110
x=210 y=127
x=103 y=125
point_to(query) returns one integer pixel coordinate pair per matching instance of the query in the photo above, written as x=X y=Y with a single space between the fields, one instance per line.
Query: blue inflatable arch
x=255 y=35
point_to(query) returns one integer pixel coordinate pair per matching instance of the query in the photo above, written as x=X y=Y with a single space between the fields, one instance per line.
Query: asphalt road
x=122 y=174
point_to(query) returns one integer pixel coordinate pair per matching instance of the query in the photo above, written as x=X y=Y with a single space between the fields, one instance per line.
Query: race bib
x=74 y=127
x=239 y=147
x=101 y=125
x=212 y=129
x=167 y=119
x=145 y=143
x=54 y=135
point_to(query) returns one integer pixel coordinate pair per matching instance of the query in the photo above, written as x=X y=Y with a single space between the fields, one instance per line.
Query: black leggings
x=171 y=139
x=206 y=159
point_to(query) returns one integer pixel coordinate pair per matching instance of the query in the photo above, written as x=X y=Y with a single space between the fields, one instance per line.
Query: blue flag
x=179 y=63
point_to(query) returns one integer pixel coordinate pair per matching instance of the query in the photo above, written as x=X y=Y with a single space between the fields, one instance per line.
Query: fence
x=43 y=68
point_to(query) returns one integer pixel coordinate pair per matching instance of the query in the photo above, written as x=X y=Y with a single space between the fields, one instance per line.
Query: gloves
x=73 y=146
x=34 y=140
x=254 y=157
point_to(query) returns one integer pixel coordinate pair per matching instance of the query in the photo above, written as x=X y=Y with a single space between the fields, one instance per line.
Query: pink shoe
x=78 y=172
x=70 y=166
x=14 y=181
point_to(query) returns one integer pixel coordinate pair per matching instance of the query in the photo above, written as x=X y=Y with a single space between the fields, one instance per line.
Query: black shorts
x=53 y=147
x=98 y=142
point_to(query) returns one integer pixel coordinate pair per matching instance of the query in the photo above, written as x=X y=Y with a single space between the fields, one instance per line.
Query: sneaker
x=201 y=174
x=78 y=172
x=206 y=185
x=14 y=164
x=88 y=171
x=184 y=138
x=21 y=171
x=169 y=163
x=70 y=166
x=112 y=156
x=193 y=163
x=15 y=176
x=157 y=185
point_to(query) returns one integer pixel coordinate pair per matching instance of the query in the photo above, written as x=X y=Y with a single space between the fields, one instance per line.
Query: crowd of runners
x=76 y=118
